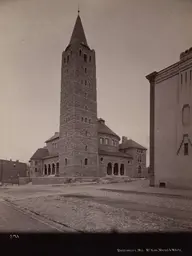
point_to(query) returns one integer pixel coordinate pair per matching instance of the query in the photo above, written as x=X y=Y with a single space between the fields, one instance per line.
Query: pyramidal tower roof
x=78 y=34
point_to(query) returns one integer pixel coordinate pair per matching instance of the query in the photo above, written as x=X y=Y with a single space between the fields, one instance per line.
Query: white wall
x=170 y=167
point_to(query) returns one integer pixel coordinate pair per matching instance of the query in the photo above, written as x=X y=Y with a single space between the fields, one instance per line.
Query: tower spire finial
x=78 y=9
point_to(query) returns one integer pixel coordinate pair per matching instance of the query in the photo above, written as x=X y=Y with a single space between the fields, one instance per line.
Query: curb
x=148 y=193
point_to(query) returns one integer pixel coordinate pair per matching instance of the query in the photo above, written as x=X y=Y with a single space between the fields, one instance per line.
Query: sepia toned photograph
x=95 y=114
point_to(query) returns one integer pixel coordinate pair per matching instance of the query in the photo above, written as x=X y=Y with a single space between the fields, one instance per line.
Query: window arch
x=122 y=169
x=45 y=169
x=86 y=161
x=49 y=169
x=116 y=169
x=53 y=168
x=57 y=168
x=109 y=169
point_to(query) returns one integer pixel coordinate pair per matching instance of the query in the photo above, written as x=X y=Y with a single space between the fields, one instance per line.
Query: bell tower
x=78 y=145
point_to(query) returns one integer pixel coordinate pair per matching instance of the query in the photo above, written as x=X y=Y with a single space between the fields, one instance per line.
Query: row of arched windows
x=85 y=119
x=84 y=55
x=85 y=160
x=107 y=141
x=115 y=170
x=51 y=169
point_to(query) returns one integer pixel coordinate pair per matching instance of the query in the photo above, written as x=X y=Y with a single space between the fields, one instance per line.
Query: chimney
x=124 y=139
x=101 y=121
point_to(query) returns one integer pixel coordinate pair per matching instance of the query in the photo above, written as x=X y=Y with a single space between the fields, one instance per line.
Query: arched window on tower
x=86 y=161
x=85 y=57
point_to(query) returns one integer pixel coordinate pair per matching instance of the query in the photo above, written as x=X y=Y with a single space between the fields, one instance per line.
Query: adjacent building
x=171 y=124
x=10 y=171
x=85 y=145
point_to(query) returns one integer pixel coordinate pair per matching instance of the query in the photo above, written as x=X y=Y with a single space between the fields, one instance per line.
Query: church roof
x=103 y=128
x=131 y=144
x=118 y=154
x=40 y=153
x=54 y=137
x=78 y=34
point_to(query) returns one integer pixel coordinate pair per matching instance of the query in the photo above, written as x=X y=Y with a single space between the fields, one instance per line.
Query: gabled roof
x=118 y=154
x=78 y=34
x=103 y=128
x=131 y=144
x=54 y=137
x=40 y=153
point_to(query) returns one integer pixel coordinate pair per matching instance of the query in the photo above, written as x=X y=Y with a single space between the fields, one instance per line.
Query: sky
x=132 y=38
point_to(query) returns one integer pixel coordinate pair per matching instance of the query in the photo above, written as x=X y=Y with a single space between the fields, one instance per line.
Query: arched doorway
x=53 y=169
x=45 y=169
x=57 y=169
x=115 y=169
x=122 y=169
x=49 y=169
x=109 y=169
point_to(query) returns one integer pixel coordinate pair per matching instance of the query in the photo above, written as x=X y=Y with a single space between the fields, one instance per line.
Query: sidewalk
x=142 y=187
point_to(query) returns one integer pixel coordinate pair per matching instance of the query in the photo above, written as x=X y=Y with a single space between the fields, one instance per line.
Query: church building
x=171 y=124
x=85 y=145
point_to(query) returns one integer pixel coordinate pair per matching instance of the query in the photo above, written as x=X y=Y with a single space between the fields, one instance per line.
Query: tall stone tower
x=78 y=145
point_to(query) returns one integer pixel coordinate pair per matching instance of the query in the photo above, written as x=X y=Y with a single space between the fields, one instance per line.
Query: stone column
x=151 y=77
